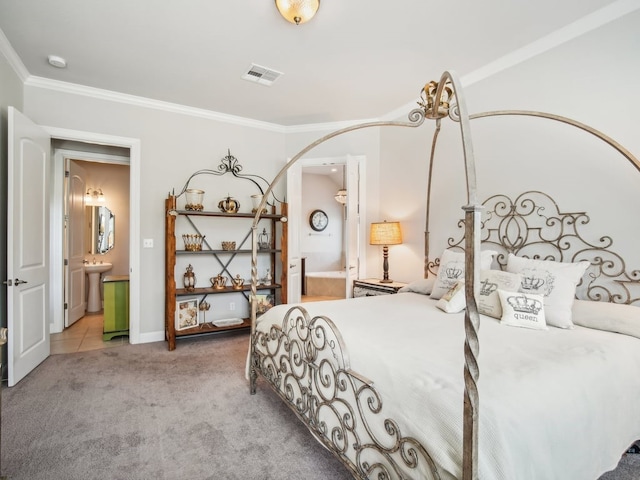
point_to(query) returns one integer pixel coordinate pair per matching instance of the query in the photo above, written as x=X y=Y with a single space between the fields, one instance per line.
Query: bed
x=383 y=383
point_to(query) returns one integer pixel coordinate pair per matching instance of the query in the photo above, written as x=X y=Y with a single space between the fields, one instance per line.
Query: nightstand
x=372 y=286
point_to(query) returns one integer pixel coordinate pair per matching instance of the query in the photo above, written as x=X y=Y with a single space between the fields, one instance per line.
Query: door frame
x=57 y=228
x=357 y=216
x=60 y=157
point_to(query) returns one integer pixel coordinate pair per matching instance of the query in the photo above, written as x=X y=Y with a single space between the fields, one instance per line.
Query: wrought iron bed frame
x=305 y=359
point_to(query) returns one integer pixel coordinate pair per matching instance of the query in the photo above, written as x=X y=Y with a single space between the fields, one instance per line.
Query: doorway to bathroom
x=325 y=257
x=96 y=239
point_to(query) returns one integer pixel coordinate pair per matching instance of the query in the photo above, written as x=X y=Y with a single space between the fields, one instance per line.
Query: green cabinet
x=116 y=306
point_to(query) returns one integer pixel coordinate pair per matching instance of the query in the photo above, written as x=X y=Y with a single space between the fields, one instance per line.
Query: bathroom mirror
x=101 y=233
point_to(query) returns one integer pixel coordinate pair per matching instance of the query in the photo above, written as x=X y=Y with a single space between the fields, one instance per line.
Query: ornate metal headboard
x=533 y=226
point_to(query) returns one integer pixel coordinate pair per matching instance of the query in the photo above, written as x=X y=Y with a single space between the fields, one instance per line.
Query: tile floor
x=85 y=334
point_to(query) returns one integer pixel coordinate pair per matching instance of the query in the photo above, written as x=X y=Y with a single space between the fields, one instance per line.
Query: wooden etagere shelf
x=277 y=260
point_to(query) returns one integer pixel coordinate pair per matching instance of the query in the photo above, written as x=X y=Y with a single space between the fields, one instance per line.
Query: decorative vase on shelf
x=229 y=205
x=255 y=201
x=194 y=199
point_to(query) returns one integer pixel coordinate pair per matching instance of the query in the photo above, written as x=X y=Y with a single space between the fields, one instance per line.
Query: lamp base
x=386 y=280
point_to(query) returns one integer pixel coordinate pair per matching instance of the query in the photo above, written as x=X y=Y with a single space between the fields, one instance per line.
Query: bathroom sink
x=93 y=271
x=97 y=267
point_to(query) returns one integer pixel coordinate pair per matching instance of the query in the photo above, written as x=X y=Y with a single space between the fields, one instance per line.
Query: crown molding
x=12 y=57
x=563 y=35
x=109 y=95
x=329 y=126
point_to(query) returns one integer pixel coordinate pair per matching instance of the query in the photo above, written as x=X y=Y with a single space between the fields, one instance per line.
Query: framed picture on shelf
x=263 y=303
x=186 y=313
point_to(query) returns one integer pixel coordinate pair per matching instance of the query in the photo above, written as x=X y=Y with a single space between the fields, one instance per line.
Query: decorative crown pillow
x=555 y=281
x=522 y=310
x=452 y=269
x=488 y=300
x=454 y=300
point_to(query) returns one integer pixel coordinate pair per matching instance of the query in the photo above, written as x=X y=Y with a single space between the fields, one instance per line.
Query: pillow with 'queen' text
x=522 y=310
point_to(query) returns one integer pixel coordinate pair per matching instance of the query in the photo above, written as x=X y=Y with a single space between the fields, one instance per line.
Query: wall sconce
x=385 y=233
x=297 y=11
x=94 y=197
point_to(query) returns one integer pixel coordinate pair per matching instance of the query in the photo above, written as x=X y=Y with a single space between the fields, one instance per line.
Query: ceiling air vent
x=261 y=75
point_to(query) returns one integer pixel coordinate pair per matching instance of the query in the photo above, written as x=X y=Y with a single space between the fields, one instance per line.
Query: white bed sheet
x=555 y=404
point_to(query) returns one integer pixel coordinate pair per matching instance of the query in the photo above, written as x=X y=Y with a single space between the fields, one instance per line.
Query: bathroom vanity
x=116 y=306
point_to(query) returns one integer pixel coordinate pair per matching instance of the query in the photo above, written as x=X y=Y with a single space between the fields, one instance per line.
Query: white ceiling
x=357 y=59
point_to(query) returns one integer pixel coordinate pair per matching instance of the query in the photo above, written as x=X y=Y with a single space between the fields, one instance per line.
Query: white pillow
x=555 y=281
x=522 y=310
x=454 y=300
x=422 y=286
x=612 y=317
x=452 y=269
x=490 y=281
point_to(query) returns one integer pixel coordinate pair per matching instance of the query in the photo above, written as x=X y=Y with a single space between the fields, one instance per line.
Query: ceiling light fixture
x=56 y=61
x=298 y=11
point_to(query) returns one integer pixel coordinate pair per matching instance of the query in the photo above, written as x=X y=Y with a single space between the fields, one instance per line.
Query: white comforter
x=556 y=404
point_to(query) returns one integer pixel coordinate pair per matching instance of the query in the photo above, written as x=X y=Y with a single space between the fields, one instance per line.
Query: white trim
x=12 y=57
x=329 y=127
x=152 y=337
x=56 y=244
x=563 y=35
x=109 y=95
x=135 y=311
x=94 y=156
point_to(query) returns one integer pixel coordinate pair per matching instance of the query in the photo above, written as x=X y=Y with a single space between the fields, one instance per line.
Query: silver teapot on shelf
x=219 y=281
x=229 y=205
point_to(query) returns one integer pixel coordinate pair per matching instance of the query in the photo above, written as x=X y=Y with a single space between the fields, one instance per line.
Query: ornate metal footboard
x=305 y=361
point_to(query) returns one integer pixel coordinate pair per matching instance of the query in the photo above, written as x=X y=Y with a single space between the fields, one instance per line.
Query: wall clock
x=318 y=220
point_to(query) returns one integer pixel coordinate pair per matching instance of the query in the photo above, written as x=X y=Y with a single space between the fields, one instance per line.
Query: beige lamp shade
x=298 y=11
x=385 y=233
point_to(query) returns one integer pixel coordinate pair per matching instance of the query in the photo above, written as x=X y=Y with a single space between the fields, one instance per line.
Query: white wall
x=173 y=146
x=592 y=79
x=323 y=250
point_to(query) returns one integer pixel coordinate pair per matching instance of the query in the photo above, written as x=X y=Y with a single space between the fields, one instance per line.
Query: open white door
x=28 y=311
x=294 y=200
x=75 y=251
x=352 y=224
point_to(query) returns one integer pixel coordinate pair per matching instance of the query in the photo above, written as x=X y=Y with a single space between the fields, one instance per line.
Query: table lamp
x=385 y=233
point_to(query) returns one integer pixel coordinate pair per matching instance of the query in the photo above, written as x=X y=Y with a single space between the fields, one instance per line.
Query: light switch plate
x=147 y=243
